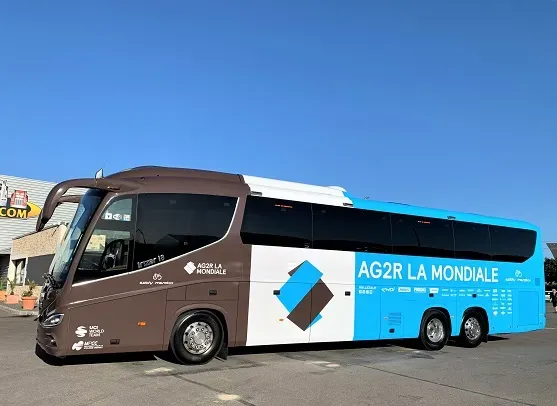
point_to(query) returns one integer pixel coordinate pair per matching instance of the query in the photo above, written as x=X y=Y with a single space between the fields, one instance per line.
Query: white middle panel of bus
x=268 y=321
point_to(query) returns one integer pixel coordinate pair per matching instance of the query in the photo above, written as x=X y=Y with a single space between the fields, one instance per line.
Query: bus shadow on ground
x=452 y=342
x=413 y=344
x=312 y=347
x=282 y=349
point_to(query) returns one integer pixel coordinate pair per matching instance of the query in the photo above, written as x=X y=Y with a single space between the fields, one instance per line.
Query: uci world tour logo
x=305 y=291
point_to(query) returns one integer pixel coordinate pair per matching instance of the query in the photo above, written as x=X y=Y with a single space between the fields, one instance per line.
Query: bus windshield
x=64 y=254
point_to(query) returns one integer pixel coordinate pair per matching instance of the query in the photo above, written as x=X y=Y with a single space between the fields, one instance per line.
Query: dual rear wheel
x=435 y=329
x=473 y=329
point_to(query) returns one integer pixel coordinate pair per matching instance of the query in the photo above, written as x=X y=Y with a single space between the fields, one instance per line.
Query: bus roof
x=297 y=191
x=402 y=208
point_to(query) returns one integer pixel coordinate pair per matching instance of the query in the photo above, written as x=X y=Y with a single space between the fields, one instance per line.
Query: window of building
x=471 y=241
x=171 y=224
x=20 y=271
x=347 y=229
x=108 y=251
x=511 y=244
x=277 y=222
x=423 y=236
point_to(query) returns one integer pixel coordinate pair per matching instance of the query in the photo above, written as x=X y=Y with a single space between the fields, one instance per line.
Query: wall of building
x=43 y=242
x=31 y=254
x=36 y=192
x=553 y=248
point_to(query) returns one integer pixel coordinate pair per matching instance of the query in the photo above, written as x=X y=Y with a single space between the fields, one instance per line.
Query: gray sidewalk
x=16 y=310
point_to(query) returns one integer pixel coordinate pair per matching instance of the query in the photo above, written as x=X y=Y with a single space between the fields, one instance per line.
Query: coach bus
x=195 y=262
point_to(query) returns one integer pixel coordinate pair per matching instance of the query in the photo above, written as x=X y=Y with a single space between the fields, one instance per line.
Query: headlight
x=53 y=320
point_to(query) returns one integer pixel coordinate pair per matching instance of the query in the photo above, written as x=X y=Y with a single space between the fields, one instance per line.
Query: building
x=553 y=248
x=25 y=254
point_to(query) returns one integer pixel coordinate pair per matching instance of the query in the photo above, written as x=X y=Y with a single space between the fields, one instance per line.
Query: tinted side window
x=511 y=244
x=171 y=224
x=413 y=235
x=471 y=241
x=276 y=222
x=344 y=229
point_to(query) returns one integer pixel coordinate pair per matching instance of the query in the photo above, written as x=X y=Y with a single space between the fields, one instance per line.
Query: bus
x=194 y=262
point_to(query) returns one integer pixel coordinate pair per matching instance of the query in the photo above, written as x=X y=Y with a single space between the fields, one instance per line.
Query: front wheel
x=434 y=332
x=197 y=337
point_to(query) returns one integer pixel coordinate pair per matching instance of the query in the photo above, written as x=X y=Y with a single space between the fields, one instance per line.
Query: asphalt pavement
x=508 y=370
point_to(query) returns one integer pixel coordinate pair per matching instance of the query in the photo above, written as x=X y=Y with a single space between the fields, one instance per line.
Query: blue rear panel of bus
x=396 y=290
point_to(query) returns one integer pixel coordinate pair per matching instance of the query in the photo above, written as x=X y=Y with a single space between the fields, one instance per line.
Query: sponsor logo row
x=406 y=289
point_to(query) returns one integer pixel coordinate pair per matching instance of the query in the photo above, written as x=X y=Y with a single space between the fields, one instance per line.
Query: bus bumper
x=49 y=339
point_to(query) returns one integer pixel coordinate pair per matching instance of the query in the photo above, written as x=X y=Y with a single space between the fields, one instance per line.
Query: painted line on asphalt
x=158 y=371
x=226 y=397
x=326 y=364
x=220 y=394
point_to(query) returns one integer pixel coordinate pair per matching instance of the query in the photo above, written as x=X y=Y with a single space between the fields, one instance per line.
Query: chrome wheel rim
x=198 y=338
x=472 y=328
x=435 y=330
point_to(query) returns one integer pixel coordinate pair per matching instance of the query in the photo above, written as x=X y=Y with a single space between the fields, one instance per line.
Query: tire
x=434 y=331
x=472 y=330
x=201 y=348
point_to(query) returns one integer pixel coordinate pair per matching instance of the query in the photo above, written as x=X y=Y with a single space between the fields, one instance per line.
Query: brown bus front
x=147 y=246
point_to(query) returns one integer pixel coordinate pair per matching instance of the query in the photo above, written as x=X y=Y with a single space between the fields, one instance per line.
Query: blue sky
x=436 y=103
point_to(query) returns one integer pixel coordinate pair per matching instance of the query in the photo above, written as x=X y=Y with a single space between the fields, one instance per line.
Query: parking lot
x=506 y=371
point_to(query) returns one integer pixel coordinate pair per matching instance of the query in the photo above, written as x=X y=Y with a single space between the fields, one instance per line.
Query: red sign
x=19 y=199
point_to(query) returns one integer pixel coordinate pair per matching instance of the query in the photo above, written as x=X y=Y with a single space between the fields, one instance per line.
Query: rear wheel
x=472 y=330
x=197 y=337
x=434 y=332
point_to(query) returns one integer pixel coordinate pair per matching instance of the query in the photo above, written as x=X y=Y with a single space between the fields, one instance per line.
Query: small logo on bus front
x=81 y=331
x=77 y=346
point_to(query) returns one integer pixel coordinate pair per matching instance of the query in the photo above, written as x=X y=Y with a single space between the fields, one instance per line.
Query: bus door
x=108 y=311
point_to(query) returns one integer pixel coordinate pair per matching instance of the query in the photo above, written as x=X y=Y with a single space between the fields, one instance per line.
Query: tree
x=550 y=270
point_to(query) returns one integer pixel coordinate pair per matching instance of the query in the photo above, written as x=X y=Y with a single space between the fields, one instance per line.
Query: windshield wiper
x=50 y=278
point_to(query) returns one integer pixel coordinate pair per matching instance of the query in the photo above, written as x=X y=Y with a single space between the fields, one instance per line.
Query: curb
x=19 y=312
